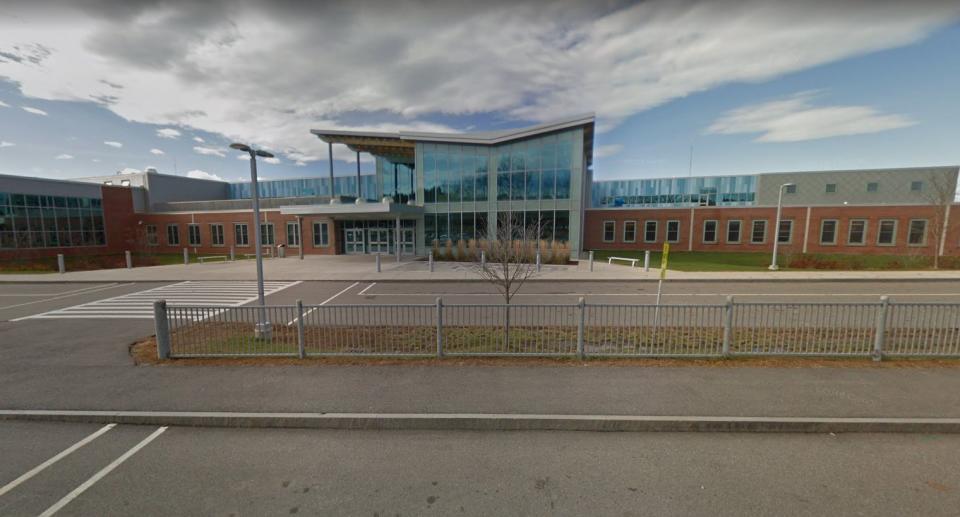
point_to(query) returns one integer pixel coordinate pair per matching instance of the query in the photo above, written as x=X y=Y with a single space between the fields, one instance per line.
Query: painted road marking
x=78 y=293
x=872 y=295
x=140 y=304
x=99 y=475
x=328 y=300
x=367 y=288
x=63 y=454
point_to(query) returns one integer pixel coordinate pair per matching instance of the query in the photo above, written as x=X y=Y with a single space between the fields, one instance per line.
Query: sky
x=681 y=87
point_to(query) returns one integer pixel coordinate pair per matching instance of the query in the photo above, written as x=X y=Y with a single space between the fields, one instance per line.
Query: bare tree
x=940 y=195
x=509 y=262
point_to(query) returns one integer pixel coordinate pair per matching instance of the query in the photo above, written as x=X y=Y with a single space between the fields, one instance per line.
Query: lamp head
x=240 y=147
x=264 y=154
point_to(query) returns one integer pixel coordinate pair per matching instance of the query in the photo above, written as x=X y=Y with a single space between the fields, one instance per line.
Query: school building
x=435 y=187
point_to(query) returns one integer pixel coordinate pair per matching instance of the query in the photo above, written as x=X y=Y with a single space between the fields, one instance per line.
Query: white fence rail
x=578 y=330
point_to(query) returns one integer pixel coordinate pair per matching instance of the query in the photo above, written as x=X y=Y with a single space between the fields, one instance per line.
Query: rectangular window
x=193 y=234
x=828 y=231
x=216 y=234
x=916 y=186
x=873 y=186
x=630 y=231
x=887 y=232
x=650 y=231
x=790 y=189
x=831 y=188
x=917 y=236
x=673 y=231
x=321 y=235
x=609 y=231
x=710 y=231
x=173 y=235
x=266 y=234
x=241 y=237
x=785 y=232
x=857 y=232
x=293 y=234
x=733 y=231
x=152 y=239
x=758 y=233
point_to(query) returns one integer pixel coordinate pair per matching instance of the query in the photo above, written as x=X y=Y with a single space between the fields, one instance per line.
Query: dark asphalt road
x=187 y=471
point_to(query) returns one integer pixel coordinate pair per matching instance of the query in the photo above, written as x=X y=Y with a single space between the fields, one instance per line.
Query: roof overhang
x=355 y=210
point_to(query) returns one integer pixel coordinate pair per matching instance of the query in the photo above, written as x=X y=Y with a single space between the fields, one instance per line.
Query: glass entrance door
x=379 y=240
x=406 y=241
x=353 y=240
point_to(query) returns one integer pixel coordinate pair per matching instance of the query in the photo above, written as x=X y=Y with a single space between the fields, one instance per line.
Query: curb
x=495 y=422
x=531 y=280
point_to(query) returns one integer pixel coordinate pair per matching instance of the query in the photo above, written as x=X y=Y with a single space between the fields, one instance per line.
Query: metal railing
x=572 y=330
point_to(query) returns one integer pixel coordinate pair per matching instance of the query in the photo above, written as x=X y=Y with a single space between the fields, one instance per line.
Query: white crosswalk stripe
x=140 y=304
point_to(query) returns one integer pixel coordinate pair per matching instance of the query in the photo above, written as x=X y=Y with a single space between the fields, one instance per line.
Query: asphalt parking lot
x=31 y=300
x=143 y=470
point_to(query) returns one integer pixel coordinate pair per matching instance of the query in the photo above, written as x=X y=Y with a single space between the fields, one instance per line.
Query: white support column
x=806 y=230
x=690 y=234
x=397 y=239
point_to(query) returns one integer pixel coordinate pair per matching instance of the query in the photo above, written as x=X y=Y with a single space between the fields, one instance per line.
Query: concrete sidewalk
x=81 y=367
x=363 y=268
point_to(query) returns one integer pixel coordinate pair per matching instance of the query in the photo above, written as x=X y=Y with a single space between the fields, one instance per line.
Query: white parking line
x=90 y=290
x=653 y=295
x=99 y=475
x=367 y=288
x=63 y=454
x=328 y=300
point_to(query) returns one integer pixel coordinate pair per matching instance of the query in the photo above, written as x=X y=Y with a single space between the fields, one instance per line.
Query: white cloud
x=203 y=175
x=35 y=111
x=198 y=140
x=168 y=132
x=129 y=170
x=796 y=119
x=63 y=156
x=4 y=105
x=273 y=160
x=605 y=151
x=243 y=156
x=112 y=143
x=4 y=143
x=156 y=152
x=190 y=64
x=95 y=160
x=208 y=151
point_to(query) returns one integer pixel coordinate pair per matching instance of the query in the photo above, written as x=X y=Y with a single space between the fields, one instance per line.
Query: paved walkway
x=363 y=268
x=83 y=365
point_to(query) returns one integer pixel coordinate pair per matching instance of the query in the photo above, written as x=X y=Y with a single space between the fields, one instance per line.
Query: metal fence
x=578 y=330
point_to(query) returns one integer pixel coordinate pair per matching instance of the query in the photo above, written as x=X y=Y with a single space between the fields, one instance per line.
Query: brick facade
x=804 y=236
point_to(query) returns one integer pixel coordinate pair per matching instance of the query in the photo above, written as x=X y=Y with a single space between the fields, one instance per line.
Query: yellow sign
x=663 y=260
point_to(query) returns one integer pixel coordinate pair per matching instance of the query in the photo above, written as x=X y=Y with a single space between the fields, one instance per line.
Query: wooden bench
x=204 y=258
x=632 y=261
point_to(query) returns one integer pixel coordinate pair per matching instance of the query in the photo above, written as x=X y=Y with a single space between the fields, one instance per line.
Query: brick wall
x=594 y=229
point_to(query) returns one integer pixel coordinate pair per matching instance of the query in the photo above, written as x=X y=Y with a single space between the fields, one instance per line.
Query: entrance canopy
x=356 y=210
x=386 y=145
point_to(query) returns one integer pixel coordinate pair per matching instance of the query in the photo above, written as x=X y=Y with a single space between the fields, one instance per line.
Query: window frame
x=176 y=228
x=873 y=187
x=246 y=233
x=789 y=240
x=739 y=231
x=918 y=184
x=830 y=188
x=190 y=234
x=656 y=231
x=863 y=236
x=703 y=234
x=271 y=232
x=893 y=233
x=613 y=231
x=836 y=226
x=298 y=233
x=631 y=223
x=324 y=235
x=753 y=231
x=667 y=235
x=923 y=236
x=213 y=235
x=155 y=241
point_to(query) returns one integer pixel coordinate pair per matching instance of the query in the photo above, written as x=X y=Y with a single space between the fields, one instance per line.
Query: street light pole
x=776 y=228
x=263 y=328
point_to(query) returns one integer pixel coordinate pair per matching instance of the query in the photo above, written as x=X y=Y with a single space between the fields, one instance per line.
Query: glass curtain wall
x=676 y=192
x=35 y=221
x=397 y=180
x=309 y=187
